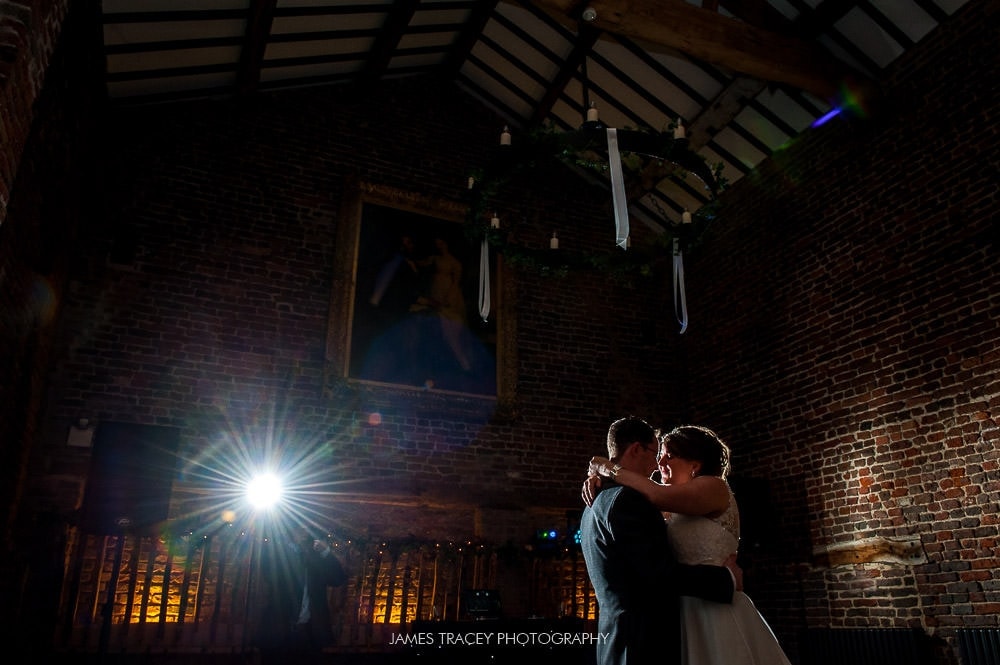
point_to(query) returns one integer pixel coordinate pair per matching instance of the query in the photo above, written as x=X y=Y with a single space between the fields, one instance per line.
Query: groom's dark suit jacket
x=637 y=580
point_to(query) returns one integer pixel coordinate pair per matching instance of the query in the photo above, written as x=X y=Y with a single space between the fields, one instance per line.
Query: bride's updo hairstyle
x=698 y=444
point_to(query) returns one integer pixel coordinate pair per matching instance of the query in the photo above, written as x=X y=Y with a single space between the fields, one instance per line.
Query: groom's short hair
x=626 y=431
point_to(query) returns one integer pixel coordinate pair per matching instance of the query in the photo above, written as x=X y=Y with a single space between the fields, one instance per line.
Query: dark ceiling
x=744 y=76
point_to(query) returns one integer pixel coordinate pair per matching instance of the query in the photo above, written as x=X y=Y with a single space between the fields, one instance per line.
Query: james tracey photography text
x=485 y=639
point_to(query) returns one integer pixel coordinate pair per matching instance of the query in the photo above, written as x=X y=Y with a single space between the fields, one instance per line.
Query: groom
x=631 y=566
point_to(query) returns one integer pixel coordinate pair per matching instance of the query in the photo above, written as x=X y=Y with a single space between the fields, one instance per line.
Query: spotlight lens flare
x=264 y=490
x=822 y=120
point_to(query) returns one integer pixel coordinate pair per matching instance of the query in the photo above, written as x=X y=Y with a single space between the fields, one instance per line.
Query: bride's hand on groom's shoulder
x=591 y=487
x=599 y=466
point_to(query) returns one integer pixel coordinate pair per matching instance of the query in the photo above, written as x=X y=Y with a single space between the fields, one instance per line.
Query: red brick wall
x=844 y=338
x=37 y=228
x=221 y=311
x=215 y=322
x=42 y=199
x=28 y=33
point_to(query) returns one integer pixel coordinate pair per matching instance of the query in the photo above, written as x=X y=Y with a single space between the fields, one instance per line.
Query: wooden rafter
x=471 y=31
x=735 y=45
x=387 y=42
x=721 y=111
x=259 y=20
x=570 y=68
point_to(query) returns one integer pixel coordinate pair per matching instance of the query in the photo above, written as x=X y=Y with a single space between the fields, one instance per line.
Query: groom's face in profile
x=651 y=451
x=643 y=457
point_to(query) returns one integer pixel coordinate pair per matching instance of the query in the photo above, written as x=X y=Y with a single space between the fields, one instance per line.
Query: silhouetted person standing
x=295 y=621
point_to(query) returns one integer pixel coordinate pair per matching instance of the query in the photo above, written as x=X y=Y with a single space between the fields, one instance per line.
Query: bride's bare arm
x=704 y=495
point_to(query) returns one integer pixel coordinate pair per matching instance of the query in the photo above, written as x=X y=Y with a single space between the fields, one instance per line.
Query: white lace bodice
x=705 y=540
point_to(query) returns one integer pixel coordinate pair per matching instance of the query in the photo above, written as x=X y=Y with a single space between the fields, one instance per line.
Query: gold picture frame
x=404 y=303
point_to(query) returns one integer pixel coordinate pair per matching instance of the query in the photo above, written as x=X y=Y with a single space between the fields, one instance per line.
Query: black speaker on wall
x=131 y=477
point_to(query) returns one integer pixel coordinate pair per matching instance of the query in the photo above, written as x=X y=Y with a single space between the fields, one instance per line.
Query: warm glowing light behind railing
x=422 y=583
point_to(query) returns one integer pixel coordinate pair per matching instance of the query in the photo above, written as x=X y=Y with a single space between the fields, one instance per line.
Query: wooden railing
x=142 y=593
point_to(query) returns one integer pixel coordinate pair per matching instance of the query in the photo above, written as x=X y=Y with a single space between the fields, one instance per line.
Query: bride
x=704 y=528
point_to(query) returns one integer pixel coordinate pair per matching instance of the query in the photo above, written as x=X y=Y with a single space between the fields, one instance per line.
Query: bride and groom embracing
x=668 y=595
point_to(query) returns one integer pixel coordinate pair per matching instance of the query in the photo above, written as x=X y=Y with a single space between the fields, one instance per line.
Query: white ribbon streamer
x=484 y=280
x=618 y=190
x=680 y=300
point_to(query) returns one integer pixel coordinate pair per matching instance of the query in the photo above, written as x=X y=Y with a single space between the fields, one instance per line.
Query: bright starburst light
x=264 y=491
x=266 y=473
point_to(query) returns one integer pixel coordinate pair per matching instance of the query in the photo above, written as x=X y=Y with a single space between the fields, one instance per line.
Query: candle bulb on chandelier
x=686 y=217
x=554 y=241
x=495 y=222
x=505 y=136
x=679 y=132
x=592 y=114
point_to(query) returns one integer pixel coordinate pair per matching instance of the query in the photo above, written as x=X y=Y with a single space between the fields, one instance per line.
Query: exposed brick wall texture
x=220 y=313
x=28 y=34
x=37 y=237
x=47 y=200
x=844 y=339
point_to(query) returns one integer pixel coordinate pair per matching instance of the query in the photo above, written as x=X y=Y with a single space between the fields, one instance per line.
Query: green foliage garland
x=642 y=152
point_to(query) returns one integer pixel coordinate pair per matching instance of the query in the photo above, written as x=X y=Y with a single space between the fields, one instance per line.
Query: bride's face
x=675 y=470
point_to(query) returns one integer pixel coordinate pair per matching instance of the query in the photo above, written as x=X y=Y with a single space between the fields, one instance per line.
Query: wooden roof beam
x=393 y=30
x=712 y=37
x=259 y=20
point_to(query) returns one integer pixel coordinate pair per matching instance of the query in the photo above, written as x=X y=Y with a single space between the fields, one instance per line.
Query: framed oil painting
x=405 y=308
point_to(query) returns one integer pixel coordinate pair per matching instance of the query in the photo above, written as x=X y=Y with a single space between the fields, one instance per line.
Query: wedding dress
x=716 y=633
